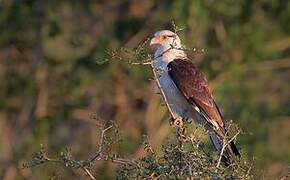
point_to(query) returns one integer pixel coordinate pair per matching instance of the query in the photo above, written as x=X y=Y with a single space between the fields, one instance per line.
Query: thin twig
x=161 y=91
x=225 y=144
x=89 y=173
x=142 y=63
x=66 y=160
x=100 y=148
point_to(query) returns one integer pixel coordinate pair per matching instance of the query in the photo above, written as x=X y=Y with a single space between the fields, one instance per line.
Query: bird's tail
x=229 y=151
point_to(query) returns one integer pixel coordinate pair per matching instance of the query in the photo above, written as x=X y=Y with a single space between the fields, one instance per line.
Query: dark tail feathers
x=230 y=151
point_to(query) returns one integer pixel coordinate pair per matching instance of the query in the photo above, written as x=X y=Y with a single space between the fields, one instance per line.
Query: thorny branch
x=65 y=159
x=225 y=144
x=147 y=145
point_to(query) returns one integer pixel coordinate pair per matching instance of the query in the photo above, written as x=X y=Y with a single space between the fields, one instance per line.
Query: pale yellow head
x=167 y=46
x=165 y=39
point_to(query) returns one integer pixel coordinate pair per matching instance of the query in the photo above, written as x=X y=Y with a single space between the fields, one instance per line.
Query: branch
x=225 y=144
x=161 y=90
x=177 y=121
x=66 y=160
x=89 y=173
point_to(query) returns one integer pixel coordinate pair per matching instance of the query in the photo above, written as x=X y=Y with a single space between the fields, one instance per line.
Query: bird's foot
x=177 y=122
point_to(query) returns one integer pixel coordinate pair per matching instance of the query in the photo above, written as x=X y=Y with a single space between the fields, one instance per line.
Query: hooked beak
x=154 y=41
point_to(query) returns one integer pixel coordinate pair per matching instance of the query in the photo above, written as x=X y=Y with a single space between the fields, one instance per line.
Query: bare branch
x=65 y=159
x=225 y=144
x=89 y=173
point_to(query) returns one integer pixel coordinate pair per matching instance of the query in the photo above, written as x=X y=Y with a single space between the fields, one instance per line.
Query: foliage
x=173 y=162
x=192 y=164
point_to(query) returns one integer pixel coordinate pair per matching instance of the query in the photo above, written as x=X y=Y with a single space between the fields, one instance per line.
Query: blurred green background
x=50 y=83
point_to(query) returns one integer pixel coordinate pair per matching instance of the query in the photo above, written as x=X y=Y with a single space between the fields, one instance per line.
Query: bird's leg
x=180 y=137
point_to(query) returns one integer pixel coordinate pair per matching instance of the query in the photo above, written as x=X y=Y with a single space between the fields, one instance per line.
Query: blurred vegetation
x=51 y=83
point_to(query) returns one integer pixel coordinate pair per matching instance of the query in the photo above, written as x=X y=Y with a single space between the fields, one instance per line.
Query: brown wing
x=192 y=83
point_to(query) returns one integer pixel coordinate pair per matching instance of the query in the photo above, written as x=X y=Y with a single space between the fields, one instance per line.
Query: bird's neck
x=164 y=56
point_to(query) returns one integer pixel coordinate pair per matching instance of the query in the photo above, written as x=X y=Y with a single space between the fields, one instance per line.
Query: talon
x=178 y=122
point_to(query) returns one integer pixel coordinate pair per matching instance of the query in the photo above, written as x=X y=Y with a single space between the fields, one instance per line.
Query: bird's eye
x=163 y=37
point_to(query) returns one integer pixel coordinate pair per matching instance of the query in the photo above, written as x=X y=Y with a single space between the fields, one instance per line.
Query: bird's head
x=164 y=40
x=167 y=44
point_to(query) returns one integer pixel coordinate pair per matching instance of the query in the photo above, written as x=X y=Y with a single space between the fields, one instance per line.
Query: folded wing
x=193 y=85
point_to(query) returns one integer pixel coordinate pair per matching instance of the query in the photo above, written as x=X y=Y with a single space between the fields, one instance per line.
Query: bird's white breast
x=176 y=101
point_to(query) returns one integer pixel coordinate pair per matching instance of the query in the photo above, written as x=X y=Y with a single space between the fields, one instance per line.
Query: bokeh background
x=50 y=83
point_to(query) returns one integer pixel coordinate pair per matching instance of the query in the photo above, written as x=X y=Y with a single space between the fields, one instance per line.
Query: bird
x=187 y=92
